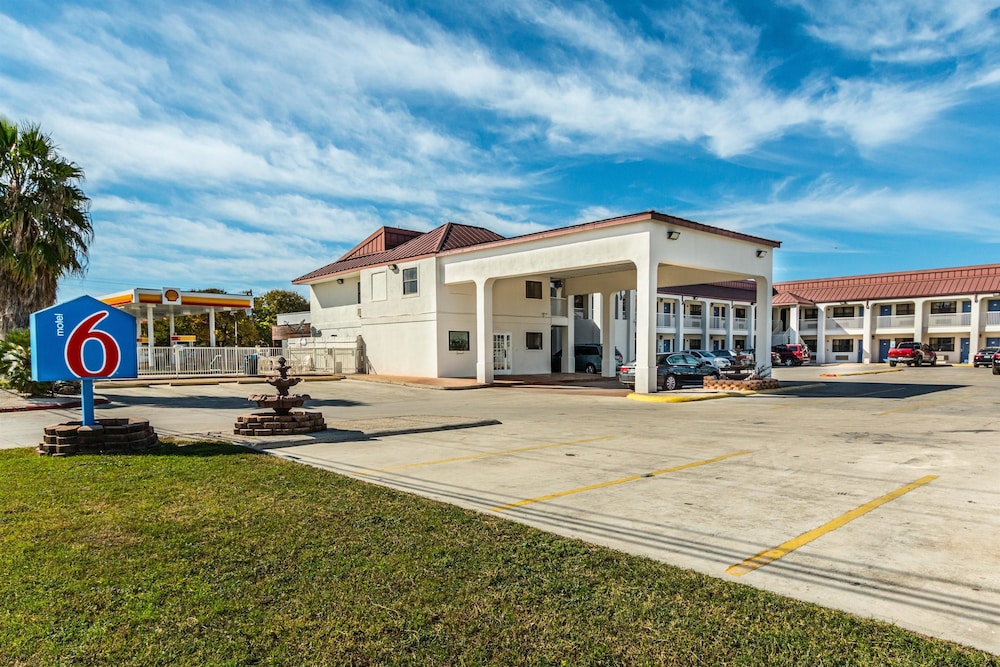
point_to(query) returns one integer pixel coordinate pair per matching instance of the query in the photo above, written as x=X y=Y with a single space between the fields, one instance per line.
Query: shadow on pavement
x=834 y=389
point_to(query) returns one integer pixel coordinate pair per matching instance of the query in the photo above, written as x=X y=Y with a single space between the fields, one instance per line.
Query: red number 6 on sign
x=79 y=338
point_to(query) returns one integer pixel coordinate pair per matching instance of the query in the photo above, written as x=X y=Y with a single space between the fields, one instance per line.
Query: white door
x=501 y=353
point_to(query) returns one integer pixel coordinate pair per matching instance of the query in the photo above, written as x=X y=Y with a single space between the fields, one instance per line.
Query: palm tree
x=45 y=226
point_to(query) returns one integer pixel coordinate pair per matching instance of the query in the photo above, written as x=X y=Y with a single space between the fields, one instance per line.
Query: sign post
x=83 y=339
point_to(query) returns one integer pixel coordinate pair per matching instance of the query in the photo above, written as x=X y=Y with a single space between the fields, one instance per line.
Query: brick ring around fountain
x=284 y=420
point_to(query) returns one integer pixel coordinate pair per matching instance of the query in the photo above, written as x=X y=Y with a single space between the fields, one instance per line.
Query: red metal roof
x=982 y=279
x=448 y=236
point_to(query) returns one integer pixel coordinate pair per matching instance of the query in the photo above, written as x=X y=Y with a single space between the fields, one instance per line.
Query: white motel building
x=462 y=301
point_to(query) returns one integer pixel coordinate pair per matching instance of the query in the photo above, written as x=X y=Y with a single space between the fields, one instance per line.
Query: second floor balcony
x=895 y=322
x=844 y=324
x=949 y=320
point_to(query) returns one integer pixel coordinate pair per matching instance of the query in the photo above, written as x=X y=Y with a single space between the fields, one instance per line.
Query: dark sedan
x=673 y=370
x=985 y=356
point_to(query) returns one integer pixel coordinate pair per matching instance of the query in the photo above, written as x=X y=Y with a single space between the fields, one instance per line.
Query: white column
x=706 y=318
x=820 y=334
x=484 y=331
x=751 y=335
x=974 y=319
x=211 y=327
x=645 y=327
x=730 y=321
x=762 y=330
x=918 y=320
x=867 y=336
x=678 y=324
x=569 y=352
x=608 y=362
x=793 y=324
x=149 y=334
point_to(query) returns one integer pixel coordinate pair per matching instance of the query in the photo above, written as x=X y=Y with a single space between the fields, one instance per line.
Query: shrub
x=15 y=364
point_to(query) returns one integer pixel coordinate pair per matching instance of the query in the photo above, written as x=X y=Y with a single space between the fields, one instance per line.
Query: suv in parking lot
x=792 y=354
x=587 y=357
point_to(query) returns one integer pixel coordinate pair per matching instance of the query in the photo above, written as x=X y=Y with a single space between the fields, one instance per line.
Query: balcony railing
x=894 y=322
x=666 y=320
x=558 y=307
x=717 y=322
x=844 y=323
x=993 y=319
x=949 y=320
x=740 y=324
x=692 y=321
x=808 y=325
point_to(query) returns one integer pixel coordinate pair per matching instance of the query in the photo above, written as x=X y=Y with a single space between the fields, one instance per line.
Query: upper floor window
x=532 y=289
x=740 y=312
x=943 y=307
x=904 y=309
x=694 y=309
x=843 y=311
x=810 y=313
x=410 y=281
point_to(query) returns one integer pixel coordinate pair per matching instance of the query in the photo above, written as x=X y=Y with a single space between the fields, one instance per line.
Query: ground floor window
x=942 y=344
x=843 y=344
x=458 y=341
x=533 y=340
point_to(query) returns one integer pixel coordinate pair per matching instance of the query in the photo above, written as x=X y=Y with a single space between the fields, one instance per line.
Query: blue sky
x=239 y=144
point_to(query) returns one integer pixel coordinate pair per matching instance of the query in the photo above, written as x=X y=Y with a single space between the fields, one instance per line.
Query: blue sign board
x=82 y=339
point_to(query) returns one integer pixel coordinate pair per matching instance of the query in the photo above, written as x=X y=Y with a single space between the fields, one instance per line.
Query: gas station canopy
x=148 y=305
x=168 y=301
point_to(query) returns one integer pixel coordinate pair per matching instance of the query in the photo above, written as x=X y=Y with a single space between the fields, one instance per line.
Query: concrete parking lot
x=878 y=494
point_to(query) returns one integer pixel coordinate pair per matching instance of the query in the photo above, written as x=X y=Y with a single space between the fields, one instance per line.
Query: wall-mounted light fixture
x=762 y=253
x=393 y=268
x=673 y=235
x=340 y=281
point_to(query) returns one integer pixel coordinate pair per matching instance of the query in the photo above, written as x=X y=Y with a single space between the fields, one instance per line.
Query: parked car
x=792 y=354
x=588 y=358
x=985 y=356
x=673 y=370
x=996 y=364
x=912 y=353
x=710 y=357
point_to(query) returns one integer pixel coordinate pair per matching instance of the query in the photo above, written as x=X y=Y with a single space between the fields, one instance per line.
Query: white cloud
x=904 y=31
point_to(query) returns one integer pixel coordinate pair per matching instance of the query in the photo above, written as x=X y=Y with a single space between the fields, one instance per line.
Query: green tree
x=45 y=225
x=269 y=305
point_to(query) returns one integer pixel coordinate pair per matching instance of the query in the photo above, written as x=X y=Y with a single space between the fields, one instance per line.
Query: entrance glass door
x=502 y=353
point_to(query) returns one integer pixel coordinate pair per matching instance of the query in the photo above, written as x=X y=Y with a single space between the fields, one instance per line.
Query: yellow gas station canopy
x=168 y=301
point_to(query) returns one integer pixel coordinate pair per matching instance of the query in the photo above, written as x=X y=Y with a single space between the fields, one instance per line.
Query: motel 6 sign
x=82 y=339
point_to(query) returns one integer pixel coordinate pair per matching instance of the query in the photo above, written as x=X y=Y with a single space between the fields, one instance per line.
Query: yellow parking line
x=771 y=555
x=485 y=455
x=601 y=485
x=915 y=406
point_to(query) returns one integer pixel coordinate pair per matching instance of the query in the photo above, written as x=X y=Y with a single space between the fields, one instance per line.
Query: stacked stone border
x=105 y=437
x=297 y=422
x=741 y=385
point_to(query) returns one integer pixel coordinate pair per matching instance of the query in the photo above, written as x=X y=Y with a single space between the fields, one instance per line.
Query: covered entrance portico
x=639 y=252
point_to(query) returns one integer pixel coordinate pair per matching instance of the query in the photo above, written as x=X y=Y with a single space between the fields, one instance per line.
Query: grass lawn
x=207 y=554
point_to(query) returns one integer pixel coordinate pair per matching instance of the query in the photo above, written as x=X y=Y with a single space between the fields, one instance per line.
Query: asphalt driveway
x=877 y=494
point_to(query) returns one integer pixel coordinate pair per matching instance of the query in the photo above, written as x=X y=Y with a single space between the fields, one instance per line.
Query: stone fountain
x=284 y=418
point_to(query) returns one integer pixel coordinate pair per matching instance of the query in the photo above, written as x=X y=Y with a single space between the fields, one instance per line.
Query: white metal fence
x=208 y=360
x=314 y=354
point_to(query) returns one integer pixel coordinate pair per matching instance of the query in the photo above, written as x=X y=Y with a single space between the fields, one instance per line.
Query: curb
x=65 y=405
x=656 y=398
x=838 y=375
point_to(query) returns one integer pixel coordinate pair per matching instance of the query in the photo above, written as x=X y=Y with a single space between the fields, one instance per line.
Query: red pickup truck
x=912 y=354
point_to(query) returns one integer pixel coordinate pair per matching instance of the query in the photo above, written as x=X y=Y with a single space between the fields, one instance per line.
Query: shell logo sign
x=171 y=296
